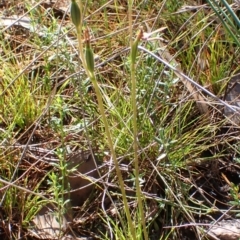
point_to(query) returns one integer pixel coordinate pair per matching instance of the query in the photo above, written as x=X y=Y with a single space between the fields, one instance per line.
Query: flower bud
x=75 y=13
x=89 y=59
x=135 y=46
x=89 y=56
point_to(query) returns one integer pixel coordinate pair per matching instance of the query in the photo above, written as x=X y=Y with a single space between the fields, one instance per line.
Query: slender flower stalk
x=90 y=69
x=87 y=60
x=133 y=57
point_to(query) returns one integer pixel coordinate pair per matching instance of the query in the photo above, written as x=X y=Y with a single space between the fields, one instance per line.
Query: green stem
x=110 y=143
x=139 y=194
x=92 y=77
x=135 y=146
